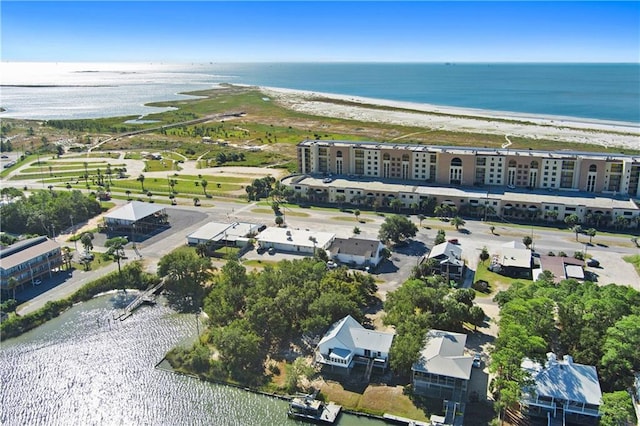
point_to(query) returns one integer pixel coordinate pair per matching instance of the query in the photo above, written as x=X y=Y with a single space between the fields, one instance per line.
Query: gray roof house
x=359 y=251
x=562 y=390
x=347 y=343
x=443 y=369
x=449 y=260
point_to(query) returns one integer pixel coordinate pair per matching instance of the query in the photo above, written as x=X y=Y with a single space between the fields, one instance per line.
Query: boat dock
x=147 y=296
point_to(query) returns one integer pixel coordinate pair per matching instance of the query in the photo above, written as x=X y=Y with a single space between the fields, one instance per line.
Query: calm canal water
x=81 y=369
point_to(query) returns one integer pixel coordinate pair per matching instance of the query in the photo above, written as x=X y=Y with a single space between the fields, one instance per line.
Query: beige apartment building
x=511 y=181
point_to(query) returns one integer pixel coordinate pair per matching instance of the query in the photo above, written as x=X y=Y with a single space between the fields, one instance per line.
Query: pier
x=147 y=296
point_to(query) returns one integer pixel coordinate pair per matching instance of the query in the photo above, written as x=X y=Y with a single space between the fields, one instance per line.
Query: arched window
x=405 y=157
x=456 y=162
x=339 y=154
x=593 y=168
x=534 y=165
x=386 y=156
x=512 y=163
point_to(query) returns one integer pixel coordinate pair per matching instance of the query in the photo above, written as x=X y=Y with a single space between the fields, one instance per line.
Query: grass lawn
x=495 y=281
x=376 y=399
x=634 y=260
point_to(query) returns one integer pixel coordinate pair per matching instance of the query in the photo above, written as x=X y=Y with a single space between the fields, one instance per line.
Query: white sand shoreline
x=434 y=117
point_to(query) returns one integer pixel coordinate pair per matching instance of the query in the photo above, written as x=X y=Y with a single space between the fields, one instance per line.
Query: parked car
x=477 y=361
x=331 y=264
x=272 y=250
x=594 y=263
x=454 y=241
x=37 y=282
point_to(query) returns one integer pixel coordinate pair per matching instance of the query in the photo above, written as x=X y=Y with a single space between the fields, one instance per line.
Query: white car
x=477 y=361
x=37 y=282
x=332 y=265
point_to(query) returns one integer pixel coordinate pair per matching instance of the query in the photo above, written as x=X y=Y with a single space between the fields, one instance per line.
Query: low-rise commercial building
x=27 y=261
x=216 y=233
x=294 y=240
x=356 y=251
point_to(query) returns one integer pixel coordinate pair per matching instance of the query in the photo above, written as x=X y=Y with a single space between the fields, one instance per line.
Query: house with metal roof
x=562 y=391
x=449 y=262
x=348 y=343
x=136 y=218
x=26 y=261
x=356 y=251
x=443 y=370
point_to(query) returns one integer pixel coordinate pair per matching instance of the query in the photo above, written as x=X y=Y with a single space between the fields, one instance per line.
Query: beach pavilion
x=136 y=218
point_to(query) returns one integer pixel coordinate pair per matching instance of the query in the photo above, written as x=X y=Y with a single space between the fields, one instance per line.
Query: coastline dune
x=609 y=134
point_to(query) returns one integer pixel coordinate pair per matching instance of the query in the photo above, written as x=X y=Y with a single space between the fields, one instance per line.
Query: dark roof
x=31 y=249
x=354 y=246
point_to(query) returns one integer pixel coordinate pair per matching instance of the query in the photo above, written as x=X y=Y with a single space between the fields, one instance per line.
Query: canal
x=82 y=368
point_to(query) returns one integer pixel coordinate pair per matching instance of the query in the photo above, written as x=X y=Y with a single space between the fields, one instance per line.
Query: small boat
x=310 y=409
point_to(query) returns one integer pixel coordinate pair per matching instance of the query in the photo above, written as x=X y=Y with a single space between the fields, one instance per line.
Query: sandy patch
x=433 y=117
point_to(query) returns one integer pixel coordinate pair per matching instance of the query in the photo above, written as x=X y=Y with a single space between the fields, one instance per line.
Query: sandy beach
x=433 y=117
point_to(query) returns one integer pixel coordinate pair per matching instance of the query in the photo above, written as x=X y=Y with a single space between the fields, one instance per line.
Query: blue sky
x=215 y=31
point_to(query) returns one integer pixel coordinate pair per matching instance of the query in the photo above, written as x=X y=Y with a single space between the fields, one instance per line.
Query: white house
x=357 y=251
x=347 y=342
x=562 y=389
x=294 y=240
x=443 y=370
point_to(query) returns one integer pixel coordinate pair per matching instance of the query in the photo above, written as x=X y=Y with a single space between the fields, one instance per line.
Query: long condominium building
x=584 y=182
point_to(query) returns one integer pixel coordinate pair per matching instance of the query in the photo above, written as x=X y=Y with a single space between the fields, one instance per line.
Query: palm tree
x=204 y=184
x=201 y=250
x=196 y=201
x=457 y=222
x=591 y=232
x=116 y=249
x=421 y=217
x=492 y=229
x=577 y=229
x=128 y=194
x=87 y=242
x=86 y=173
x=356 y=213
x=141 y=180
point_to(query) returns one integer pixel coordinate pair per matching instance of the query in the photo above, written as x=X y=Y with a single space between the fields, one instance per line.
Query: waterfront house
x=562 y=390
x=443 y=370
x=348 y=343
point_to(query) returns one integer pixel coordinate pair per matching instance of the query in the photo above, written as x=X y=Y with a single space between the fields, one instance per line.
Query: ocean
x=608 y=92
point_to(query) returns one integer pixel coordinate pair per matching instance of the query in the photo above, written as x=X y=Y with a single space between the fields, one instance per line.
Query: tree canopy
x=46 y=211
x=397 y=228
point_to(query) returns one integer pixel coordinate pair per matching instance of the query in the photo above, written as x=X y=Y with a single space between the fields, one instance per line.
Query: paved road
x=476 y=234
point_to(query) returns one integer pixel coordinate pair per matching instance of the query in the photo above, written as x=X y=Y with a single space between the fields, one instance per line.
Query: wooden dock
x=147 y=296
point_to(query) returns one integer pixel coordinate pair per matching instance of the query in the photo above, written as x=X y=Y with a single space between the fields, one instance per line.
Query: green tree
x=492 y=229
x=617 y=409
x=185 y=275
x=572 y=220
x=86 y=239
x=527 y=240
x=396 y=204
x=421 y=217
x=440 y=237
x=591 y=232
x=397 y=228
x=484 y=254
x=204 y=184
x=620 y=352
x=239 y=348
x=457 y=222
x=356 y=213
x=141 y=180
x=115 y=250
x=279 y=220
x=577 y=229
